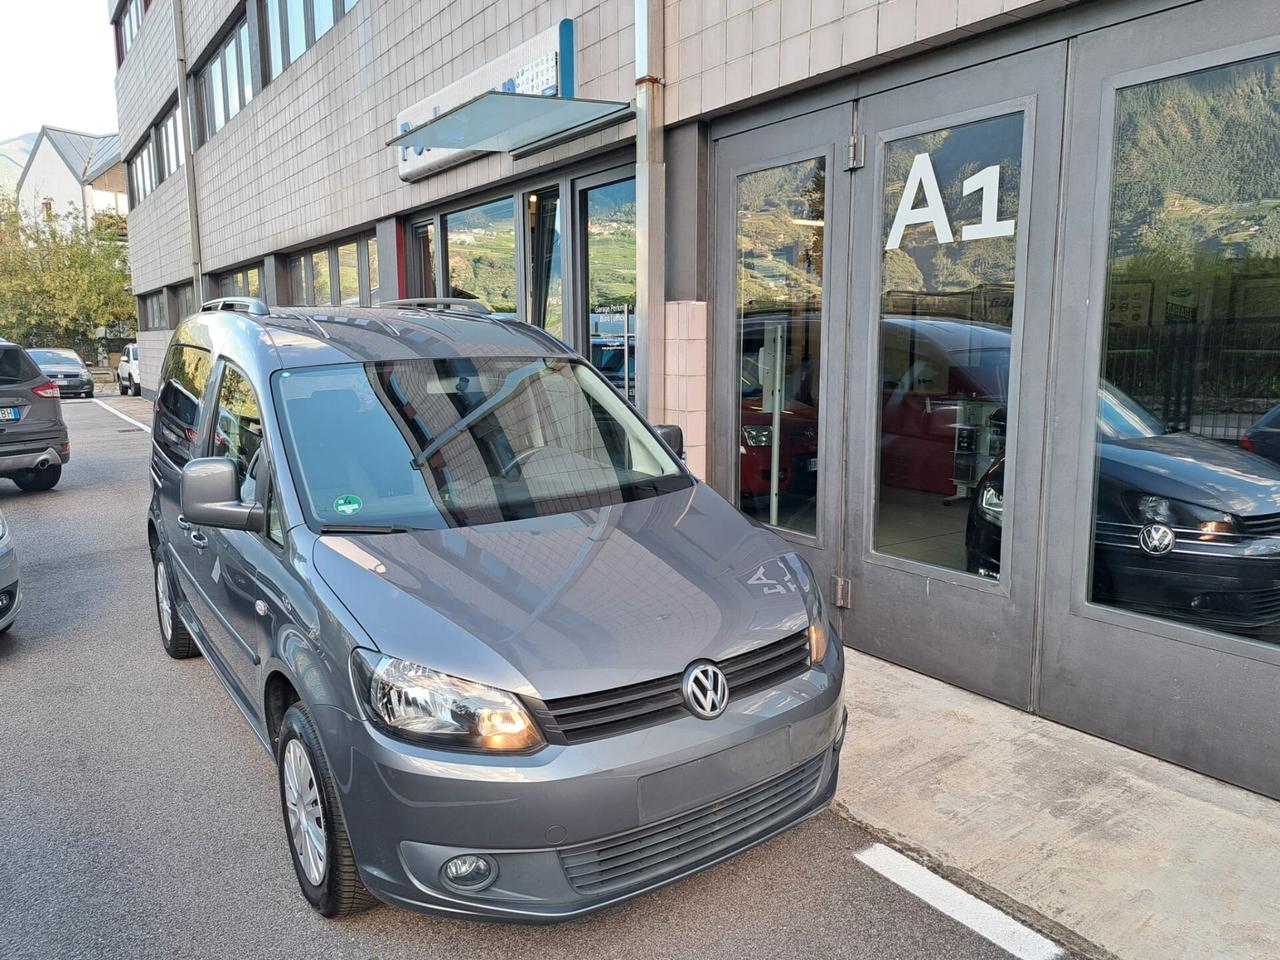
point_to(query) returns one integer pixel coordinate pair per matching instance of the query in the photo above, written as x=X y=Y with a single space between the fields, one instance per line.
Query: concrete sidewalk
x=1133 y=855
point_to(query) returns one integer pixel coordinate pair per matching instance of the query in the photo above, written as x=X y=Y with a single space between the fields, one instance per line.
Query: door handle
x=199 y=540
x=183 y=523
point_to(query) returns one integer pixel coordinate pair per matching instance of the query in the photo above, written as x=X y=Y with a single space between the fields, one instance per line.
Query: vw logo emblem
x=1156 y=539
x=706 y=691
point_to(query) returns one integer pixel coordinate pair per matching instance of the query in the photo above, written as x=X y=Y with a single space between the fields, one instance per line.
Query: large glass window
x=949 y=250
x=292 y=26
x=224 y=86
x=142 y=173
x=311 y=275
x=246 y=282
x=153 y=311
x=1187 y=469
x=464 y=441
x=321 y=289
x=348 y=274
x=481 y=246
x=546 y=271
x=423 y=260
x=127 y=26
x=781 y=229
x=609 y=216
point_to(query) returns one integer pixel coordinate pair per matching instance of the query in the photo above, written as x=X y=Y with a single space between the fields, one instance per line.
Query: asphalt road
x=139 y=819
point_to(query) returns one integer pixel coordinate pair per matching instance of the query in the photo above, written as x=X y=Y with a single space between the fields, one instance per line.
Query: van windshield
x=428 y=444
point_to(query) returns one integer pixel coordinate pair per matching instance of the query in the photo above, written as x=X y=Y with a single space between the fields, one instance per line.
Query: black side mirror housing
x=211 y=496
x=672 y=436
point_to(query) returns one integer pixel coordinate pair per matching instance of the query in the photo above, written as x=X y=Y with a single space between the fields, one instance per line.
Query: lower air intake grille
x=650 y=853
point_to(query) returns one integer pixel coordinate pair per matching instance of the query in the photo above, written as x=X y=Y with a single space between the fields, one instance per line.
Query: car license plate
x=812 y=464
x=9 y=413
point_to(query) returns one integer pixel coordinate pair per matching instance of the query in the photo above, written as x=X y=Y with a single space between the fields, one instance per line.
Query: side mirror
x=211 y=496
x=672 y=436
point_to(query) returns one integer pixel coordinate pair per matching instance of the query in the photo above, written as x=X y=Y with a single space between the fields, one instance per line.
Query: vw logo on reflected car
x=706 y=691
x=1156 y=539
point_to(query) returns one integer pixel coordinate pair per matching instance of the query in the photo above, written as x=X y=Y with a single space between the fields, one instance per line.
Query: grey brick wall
x=160 y=237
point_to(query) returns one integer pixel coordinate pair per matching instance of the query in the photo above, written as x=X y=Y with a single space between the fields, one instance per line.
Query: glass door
x=782 y=198
x=1162 y=622
x=953 y=224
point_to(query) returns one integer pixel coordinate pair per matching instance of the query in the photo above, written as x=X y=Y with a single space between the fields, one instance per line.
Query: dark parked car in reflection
x=1263 y=438
x=1186 y=528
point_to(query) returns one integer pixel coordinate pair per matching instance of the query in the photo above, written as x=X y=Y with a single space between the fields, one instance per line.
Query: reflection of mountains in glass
x=1197 y=164
x=956 y=153
x=780 y=235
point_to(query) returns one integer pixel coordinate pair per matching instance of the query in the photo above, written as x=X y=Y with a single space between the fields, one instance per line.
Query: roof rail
x=460 y=304
x=249 y=305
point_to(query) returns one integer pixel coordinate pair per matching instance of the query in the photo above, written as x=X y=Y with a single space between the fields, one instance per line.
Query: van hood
x=1190 y=468
x=572 y=603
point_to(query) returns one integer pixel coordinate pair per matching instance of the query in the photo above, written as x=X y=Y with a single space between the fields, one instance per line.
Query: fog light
x=6 y=598
x=470 y=872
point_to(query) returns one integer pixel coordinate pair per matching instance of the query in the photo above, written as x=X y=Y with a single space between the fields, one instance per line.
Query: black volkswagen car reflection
x=1186 y=528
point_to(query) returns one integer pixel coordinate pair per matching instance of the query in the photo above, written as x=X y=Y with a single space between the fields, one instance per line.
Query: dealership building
x=976 y=302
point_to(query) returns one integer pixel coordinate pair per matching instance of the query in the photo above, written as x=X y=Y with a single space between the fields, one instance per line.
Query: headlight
x=412 y=702
x=991 y=504
x=1179 y=513
x=817 y=610
x=754 y=435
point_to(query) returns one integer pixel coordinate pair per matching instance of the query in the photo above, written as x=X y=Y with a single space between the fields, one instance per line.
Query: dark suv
x=33 y=436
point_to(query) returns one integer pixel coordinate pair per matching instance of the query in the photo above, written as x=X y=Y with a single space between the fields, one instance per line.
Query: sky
x=58 y=67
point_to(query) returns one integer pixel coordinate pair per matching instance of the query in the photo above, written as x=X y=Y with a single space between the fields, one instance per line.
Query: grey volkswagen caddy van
x=512 y=660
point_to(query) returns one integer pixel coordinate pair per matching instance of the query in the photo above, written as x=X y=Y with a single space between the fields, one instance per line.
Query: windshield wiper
x=359 y=528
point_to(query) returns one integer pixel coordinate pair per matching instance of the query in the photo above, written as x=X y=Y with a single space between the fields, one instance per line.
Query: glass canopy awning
x=508 y=122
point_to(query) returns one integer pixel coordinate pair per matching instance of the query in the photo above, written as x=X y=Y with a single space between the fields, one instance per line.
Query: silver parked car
x=512 y=660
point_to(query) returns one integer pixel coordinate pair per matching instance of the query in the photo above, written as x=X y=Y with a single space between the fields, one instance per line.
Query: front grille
x=1268 y=526
x=650 y=853
x=607 y=713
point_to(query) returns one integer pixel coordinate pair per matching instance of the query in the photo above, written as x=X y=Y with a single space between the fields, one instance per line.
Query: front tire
x=122 y=384
x=135 y=388
x=177 y=639
x=318 y=843
x=34 y=481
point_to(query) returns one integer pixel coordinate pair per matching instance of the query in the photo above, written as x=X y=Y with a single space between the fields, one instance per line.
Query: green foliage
x=59 y=280
x=781 y=222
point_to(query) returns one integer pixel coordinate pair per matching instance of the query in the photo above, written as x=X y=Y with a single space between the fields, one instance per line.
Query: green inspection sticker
x=348 y=504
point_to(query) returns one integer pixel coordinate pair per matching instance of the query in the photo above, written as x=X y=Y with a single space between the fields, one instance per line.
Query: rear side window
x=182 y=382
x=16 y=366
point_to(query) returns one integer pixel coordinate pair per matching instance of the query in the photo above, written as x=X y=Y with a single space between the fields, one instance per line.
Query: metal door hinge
x=856 y=151
x=842 y=592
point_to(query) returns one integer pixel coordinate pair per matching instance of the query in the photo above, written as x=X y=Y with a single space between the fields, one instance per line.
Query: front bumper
x=574 y=828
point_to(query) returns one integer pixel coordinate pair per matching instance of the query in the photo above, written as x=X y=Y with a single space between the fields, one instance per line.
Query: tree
x=60 y=280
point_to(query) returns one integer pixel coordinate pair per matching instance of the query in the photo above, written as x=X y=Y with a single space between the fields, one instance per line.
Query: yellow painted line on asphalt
x=123 y=416
x=945 y=897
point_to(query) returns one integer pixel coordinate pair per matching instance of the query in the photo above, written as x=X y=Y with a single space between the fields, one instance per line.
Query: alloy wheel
x=306 y=816
x=162 y=601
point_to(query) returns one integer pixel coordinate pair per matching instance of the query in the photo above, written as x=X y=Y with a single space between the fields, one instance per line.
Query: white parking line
x=945 y=897
x=123 y=416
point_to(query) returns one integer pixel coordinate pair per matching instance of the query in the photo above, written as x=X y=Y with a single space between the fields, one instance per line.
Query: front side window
x=463 y=441
x=1186 y=507
x=781 y=226
x=237 y=430
x=949 y=251
x=610 y=225
x=182 y=384
x=481 y=247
